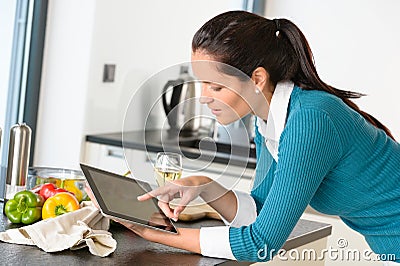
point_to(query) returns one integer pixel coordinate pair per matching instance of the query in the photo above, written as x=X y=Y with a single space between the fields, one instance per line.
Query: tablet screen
x=117 y=197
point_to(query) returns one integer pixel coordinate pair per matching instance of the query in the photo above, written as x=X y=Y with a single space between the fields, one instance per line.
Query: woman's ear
x=260 y=78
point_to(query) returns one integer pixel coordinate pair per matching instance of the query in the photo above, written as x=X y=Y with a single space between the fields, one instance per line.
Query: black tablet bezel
x=170 y=228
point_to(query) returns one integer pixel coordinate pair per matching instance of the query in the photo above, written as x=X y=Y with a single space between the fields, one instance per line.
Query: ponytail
x=246 y=41
x=307 y=76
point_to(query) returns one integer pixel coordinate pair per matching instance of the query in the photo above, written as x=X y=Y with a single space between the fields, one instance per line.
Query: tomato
x=47 y=190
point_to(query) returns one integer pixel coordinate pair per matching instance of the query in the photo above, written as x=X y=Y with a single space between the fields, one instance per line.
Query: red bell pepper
x=48 y=190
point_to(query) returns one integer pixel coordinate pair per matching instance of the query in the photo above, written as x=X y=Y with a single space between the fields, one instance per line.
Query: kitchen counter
x=133 y=250
x=190 y=146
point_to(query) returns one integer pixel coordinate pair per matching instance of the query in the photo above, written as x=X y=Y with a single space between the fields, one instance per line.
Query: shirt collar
x=273 y=128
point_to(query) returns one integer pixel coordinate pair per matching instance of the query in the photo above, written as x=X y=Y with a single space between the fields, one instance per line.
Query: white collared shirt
x=214 y=241
x=273 y=128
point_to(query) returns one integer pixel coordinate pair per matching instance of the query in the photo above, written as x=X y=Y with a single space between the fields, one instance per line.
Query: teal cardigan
x=333 y=159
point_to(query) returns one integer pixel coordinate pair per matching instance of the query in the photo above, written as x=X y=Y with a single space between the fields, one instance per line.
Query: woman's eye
x=216 y=88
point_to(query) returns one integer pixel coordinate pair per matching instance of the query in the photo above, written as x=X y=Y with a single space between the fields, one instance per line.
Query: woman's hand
x=157 y=219
x=136 y=228
x=187 y=189
x=187 y=238
x=91 y=196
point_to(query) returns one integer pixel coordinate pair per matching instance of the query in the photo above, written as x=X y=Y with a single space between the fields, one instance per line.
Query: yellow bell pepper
x=71 y=187
x=59 y=204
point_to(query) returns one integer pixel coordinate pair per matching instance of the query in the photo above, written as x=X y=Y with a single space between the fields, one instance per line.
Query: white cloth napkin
x=74 y=230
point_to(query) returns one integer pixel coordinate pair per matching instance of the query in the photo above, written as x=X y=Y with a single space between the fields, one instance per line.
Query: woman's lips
x=216 y=111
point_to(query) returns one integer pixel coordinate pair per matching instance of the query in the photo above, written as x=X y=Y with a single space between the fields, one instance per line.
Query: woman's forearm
x=187 y=239
x=220 y=198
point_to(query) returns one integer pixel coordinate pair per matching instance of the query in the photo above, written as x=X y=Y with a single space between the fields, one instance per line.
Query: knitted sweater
x=333 y=159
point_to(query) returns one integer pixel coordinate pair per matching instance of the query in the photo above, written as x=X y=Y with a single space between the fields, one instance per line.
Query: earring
x=257 y=91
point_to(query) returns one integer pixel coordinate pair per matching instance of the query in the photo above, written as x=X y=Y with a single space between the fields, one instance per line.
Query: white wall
x=65 y=79
x=140 y=37
x=356 y=47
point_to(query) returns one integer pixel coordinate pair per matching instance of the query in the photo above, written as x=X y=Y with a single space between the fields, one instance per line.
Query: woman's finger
x=172 y=190
x=130 y=226
x=137 y=229
x=178 y=210
x=154 y=193
x=164 y=206
x=144 y=197
x=186 y=198
x=157 y=219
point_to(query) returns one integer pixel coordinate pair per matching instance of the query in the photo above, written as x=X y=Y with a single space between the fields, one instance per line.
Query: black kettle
x=181 y=104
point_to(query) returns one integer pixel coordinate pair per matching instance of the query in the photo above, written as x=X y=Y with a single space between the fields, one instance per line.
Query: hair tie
x=276 y=20
x=278 y=26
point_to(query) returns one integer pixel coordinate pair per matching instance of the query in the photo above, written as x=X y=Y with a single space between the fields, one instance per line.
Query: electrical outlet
x=109 y=72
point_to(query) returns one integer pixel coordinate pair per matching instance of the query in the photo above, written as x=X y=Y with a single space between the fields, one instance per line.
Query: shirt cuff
x=246 y=212
x=214 y=242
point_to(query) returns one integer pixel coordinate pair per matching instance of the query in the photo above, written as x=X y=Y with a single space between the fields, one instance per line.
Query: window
x=22 y=28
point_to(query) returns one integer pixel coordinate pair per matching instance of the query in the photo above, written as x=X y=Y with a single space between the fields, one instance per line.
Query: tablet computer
x=116 y=196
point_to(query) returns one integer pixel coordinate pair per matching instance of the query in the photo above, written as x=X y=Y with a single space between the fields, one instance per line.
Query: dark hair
x=246 y=41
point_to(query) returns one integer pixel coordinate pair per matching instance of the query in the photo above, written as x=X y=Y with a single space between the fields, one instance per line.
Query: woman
x=324 y=151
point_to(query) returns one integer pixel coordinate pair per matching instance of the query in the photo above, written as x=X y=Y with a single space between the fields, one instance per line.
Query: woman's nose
x=205 y=97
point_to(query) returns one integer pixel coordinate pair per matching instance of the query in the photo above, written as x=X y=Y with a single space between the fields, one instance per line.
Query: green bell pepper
x=25 y=207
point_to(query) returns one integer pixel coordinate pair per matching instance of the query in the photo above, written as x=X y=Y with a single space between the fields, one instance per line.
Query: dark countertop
x=133 y=250
x=241 y=154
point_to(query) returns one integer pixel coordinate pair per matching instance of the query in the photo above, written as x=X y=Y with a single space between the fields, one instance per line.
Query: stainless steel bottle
x=18 y=159
x=0 y=139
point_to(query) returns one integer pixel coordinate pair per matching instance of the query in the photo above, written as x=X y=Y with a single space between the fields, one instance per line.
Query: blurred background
x=56 y=54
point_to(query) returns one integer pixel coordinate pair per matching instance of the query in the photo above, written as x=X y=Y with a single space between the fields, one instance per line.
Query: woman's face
x=225 y=95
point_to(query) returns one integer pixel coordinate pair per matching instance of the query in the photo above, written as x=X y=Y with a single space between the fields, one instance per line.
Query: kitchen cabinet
x=106 y=157
x=341 y=233
x=112 y=158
